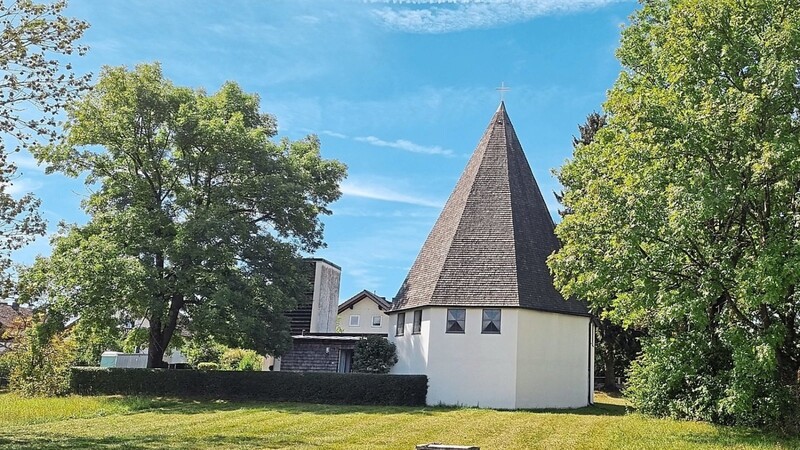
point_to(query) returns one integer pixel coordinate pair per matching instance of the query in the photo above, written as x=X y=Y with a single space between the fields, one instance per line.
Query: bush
x=207 y=366
x=203 y=351
x=240 y=359
x=5 y=369
x=41 y=366
x=374 y=354
x=314 y=387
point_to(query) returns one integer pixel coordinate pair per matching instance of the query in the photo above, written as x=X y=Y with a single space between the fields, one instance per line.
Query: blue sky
x=399 y=91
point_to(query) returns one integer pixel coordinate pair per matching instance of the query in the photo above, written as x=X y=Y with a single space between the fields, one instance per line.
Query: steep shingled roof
x=490 y=243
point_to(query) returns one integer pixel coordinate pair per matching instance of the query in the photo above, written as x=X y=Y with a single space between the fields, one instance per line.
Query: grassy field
x=146 y=423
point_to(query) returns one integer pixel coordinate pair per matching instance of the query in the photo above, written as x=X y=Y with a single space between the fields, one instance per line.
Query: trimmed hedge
x=309 y=387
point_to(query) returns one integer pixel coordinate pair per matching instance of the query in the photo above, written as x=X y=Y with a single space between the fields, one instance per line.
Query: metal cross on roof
x=503 y=88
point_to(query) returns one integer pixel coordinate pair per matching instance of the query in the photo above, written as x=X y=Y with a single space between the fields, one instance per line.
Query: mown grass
x=140 y=423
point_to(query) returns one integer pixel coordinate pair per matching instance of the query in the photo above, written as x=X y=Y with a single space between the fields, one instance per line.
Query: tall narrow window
x=417 y=328
x=456 y=319
x=401 y=324
x=491 y=321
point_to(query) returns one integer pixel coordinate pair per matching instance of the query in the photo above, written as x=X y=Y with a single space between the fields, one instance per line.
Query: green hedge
x=311 y=387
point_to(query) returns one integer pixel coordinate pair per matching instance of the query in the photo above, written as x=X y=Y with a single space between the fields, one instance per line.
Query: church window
x=355 y=320
x=376 y=321
x=491 y=321
x=456 y=319
x=417 y=328
x=401 y=324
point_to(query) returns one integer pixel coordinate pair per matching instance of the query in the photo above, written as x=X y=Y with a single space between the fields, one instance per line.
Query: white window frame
x=380 y=321
x=357 y=320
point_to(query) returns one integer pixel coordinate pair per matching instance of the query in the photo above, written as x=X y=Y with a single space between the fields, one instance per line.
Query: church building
x=478 y=313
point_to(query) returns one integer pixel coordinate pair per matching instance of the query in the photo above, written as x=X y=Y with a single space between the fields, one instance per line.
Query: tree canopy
x=35 y=86
x=685 y=209
x=37 y=83
x=197 y=216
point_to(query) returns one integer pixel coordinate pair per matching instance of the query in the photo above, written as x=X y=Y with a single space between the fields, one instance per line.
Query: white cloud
x=408 y=146
x=445 y=16
x=379 y=191
x=21 y=186
x=333 y=134
x=424 y=212
x=308 y=19
x=25 y=162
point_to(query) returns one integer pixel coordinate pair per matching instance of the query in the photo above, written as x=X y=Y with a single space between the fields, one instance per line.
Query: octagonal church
x=478 y=313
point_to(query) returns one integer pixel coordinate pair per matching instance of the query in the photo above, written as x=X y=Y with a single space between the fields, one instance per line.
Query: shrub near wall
x=335 y=388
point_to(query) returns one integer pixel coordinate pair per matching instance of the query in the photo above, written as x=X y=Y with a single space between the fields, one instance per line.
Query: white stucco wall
x=325 y=305
x=365 y=309
x=412 y=349
x=538 y=360
x=554 y=361
x=471 y=369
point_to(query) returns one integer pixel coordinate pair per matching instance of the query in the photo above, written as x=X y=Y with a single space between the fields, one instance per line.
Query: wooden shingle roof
x=489 y=246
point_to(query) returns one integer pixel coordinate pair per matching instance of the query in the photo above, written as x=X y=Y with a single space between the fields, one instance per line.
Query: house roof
x=9 y=314
x=383 y=305
x=490 y=243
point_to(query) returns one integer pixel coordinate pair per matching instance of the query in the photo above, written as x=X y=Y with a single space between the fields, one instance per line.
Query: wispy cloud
x=444 y=16
x=25 y=162
x=411 y=213
x=19 y=187
x=333 y=134
x=408 y=146
x=379 y=191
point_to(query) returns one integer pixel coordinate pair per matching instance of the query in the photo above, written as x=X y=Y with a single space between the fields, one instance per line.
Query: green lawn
x=146 y=423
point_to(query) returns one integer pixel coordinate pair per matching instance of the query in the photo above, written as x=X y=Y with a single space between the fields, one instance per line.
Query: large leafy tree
x=686 y=209
x=35 y=84
x=197 y=216
x=617 y=346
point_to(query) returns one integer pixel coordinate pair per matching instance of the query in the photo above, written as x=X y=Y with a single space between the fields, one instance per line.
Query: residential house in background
x=364 y=313
x=13 y=319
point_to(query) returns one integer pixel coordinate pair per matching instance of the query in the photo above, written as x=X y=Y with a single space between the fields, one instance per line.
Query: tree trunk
x=610 y=384
x=161 y=334
x=156 y=347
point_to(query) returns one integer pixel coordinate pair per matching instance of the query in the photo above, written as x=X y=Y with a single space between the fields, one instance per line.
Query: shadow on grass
x=598 y=409
x=55 y=441
x=166 y=405
x=738 y=437
x=204 y=406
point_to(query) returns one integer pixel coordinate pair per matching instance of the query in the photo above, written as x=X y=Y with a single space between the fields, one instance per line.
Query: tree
x=617 y=347
x=686 y=209
x=196 y=216
x=35 y=86
x=36 y=81
x=374 y=354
